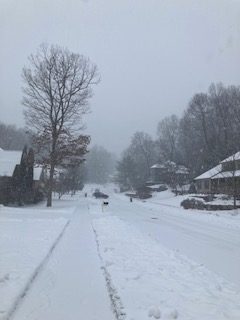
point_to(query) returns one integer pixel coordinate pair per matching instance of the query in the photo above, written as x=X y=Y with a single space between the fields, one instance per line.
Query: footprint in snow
x=5 y=278
x=173 y=314
x=108 y=249
x=109 y=263
x=154 y=312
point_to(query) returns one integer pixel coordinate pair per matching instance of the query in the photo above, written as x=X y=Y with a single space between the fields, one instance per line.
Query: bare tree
x=57 y=88
x=167 y=132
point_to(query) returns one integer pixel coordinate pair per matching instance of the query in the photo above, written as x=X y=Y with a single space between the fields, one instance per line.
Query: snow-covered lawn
x=149 y=280
x=169 y=198
x=26 y=239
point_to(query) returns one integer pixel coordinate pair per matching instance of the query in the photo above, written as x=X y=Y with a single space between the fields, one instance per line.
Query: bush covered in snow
x=200 y=205
x=192 y=204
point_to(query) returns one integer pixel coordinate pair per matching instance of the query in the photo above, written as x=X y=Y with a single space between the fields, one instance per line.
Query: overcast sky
x=153 y=55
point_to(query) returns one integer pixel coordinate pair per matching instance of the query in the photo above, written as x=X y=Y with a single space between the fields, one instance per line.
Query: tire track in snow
x=35 y=274
x=117 y=306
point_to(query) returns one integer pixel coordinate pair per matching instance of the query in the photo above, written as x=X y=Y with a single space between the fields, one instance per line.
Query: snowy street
x=206 y=238
x=134 y=261
x=120 y=160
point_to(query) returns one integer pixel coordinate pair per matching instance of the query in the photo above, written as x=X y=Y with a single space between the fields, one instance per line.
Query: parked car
x=98 y=194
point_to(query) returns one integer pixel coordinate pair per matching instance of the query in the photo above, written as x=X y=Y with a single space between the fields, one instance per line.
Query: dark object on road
x=144 y=195
x=130 y=199
x=131 y=195
x=158 y=188
x=97 y=194
x=105 y=203
x=85 y=195
x=138 y=195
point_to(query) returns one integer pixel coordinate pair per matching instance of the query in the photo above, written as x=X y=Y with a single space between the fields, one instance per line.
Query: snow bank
x=154 y=282
x=24 y=244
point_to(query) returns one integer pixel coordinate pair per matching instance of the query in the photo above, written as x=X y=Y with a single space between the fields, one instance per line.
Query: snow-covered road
x=169 y=263
x=126 y=261
x=207 y=239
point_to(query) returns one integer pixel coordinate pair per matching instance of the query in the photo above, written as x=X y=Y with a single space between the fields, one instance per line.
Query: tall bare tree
x=56 y=92
x=168 y=132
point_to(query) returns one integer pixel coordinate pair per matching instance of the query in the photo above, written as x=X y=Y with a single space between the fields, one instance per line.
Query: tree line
x=207 y=132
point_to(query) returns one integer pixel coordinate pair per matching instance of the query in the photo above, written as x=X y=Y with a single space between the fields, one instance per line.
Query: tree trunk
x=50 y=186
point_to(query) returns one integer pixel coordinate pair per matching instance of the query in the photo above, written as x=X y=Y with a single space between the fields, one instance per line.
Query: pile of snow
x=153 y=281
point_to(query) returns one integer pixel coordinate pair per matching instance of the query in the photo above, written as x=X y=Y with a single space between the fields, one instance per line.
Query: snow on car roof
x=210 y=173
x=8 y=162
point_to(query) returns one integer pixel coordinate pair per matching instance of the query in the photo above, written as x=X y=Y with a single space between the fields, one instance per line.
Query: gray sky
x=153 y=55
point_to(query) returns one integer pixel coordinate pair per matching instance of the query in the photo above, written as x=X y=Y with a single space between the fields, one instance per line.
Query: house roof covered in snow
x=234 y=157
x=182 y=170
x=8 y=162
x=227 y=174
x=37 y=172
x=210 y=173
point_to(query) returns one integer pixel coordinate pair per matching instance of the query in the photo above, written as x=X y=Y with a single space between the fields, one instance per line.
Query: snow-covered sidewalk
x=25 y=244
x=149 y=280
x=71 y=285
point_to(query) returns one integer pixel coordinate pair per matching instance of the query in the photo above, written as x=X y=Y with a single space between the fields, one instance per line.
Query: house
x=223 y=178
x=169 y=173
x=20 y=180
x=157 y=173
x=204 y=182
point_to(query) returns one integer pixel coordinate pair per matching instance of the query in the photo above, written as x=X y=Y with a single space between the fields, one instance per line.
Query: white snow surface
x=227 y=174
x=234 y=157
x=210 y=173
x=146 y=274
x=70 y=284
x=37 y=172
x=8 y=161
x=25 y=242
x=129 y=260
